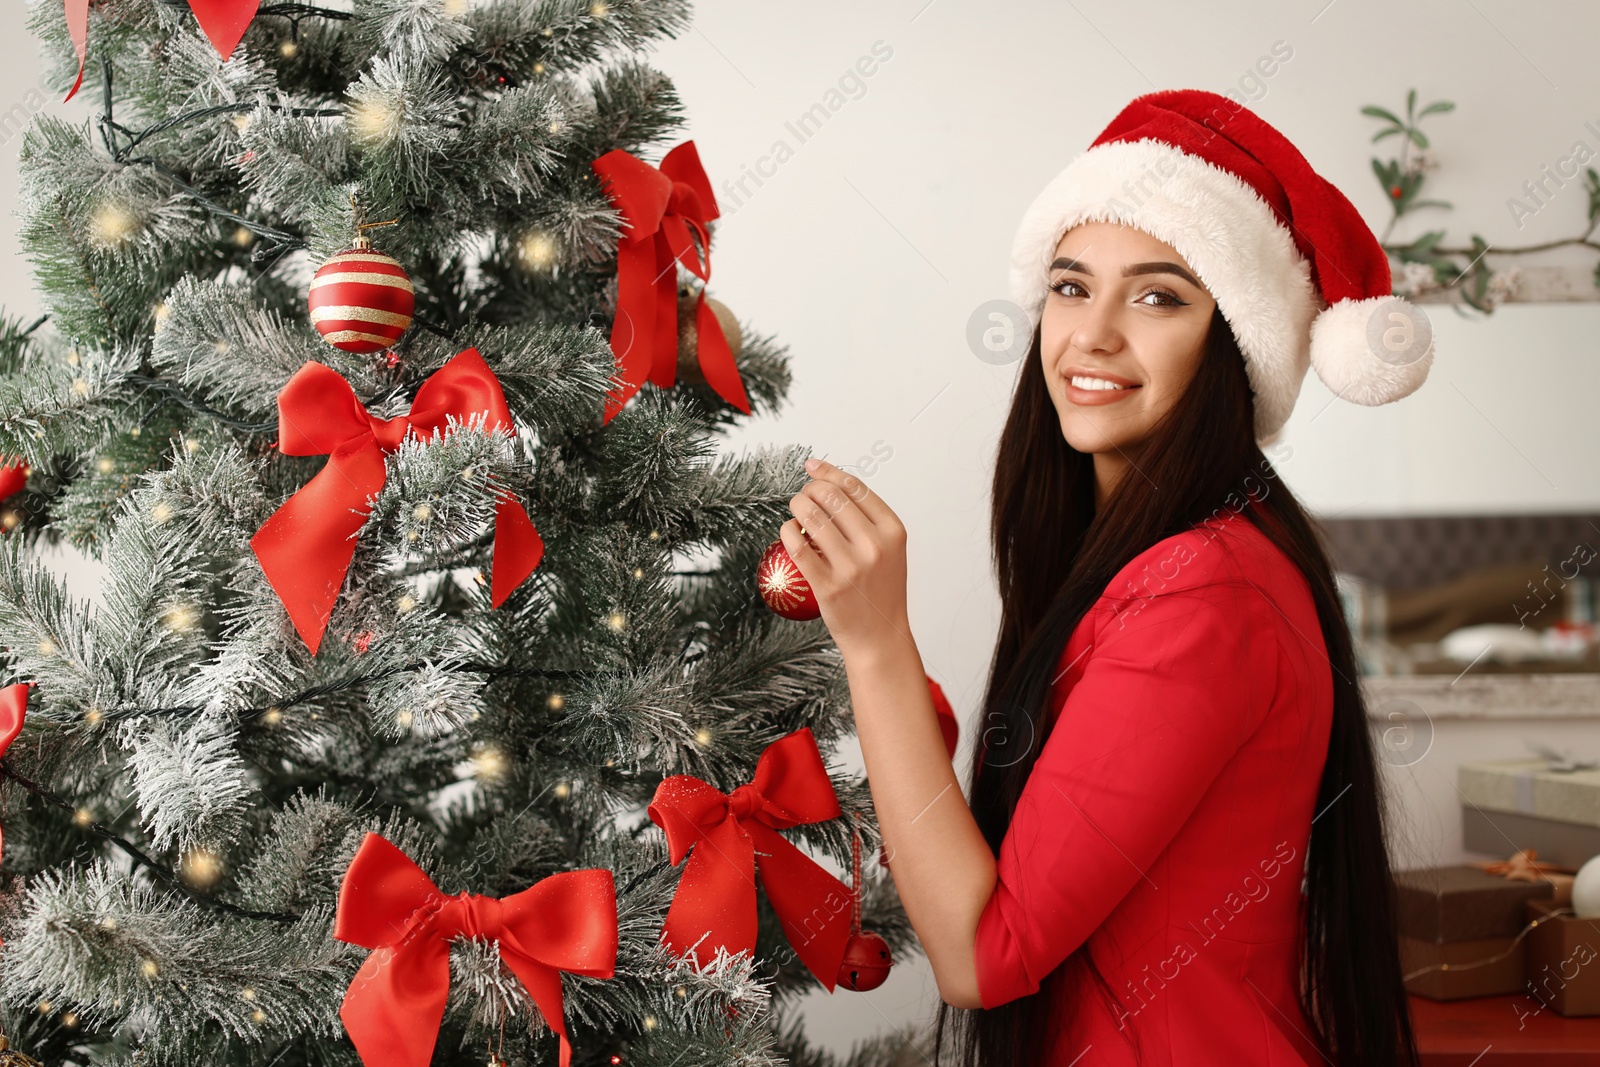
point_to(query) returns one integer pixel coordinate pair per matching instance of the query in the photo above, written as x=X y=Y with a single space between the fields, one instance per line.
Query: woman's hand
x=855 y=560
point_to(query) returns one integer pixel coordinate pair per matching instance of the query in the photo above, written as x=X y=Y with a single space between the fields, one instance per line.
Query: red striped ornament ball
x=362 y=300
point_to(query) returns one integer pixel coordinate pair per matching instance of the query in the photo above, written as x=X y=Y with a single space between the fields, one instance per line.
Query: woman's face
x=1123 y=310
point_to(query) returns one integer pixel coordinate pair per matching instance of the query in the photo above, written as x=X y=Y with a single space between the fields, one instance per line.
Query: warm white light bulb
x=537 y=249
x=112 y=224
x=181 y=618
x=374 y=122
x=490 y=763
x=200 y=867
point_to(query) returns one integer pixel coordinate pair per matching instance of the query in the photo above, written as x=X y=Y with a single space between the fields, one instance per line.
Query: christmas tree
x=416 y=635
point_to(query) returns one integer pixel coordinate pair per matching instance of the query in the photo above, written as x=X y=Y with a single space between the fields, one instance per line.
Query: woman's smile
x=1087 y=388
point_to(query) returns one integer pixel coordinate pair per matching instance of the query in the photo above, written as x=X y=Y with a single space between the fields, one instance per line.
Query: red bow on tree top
x=392 y=1010
x=738 y=837
x=660 y=209
x=223 y=22
x=306 y=547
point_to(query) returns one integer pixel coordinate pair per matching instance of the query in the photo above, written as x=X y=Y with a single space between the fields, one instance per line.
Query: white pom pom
x=1372 y=351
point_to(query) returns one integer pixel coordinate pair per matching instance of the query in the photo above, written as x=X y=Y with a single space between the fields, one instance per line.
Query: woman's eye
x=1168 y=299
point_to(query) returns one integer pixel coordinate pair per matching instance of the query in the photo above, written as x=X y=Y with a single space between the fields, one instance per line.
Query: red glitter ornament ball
x=362 y=300
x=784 y=588
x=866 y=962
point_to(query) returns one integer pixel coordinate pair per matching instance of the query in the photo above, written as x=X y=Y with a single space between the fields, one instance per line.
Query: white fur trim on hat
x=1218 y=224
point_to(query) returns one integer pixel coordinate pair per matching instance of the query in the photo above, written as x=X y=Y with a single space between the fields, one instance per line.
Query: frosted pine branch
x=124 y=953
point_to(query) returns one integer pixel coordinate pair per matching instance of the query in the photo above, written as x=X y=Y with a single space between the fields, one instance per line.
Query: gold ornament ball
x=689 y=334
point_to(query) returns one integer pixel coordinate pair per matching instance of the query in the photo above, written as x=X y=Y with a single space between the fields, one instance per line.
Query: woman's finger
x=855 y=526
x=819 y=526
x=812 y=566
x=871 y=505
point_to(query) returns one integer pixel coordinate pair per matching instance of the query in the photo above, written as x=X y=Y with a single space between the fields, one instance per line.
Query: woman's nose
x=1097 y=328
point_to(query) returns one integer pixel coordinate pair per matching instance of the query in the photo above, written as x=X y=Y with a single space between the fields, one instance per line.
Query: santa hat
x=1295 y=271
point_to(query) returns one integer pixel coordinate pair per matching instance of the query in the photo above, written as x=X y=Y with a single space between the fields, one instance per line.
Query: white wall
x=868 y=248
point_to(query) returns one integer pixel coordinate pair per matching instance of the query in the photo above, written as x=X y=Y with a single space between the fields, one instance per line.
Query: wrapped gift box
x=1458 y=931
x=1455 y=970
x=1529 y=787
x=1462 y=903
x=1563 y=960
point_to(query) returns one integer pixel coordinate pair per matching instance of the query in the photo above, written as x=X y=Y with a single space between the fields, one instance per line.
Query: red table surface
x=1498 y=1031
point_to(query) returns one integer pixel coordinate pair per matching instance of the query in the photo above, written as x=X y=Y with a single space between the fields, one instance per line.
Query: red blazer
x=1166 y=819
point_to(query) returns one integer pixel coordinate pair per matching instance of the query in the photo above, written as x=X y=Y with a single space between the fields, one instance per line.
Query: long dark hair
x=1055 y=554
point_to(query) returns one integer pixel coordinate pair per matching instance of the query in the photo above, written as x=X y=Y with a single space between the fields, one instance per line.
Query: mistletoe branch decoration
x=1428 y=265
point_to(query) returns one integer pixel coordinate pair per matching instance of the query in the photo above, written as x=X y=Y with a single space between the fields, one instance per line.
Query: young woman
x=1173 y=851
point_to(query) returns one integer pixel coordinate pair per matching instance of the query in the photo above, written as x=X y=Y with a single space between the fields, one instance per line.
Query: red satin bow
x=13 y=708
x=306 y=547
x=223 y=22
x=738 y=836
x=392 y=1010
x=660 y=208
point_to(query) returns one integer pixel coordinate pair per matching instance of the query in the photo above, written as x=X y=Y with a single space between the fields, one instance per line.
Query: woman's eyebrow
x=1063 y=263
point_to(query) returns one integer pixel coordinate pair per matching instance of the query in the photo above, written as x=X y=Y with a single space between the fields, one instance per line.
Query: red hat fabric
x=1296 y=272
